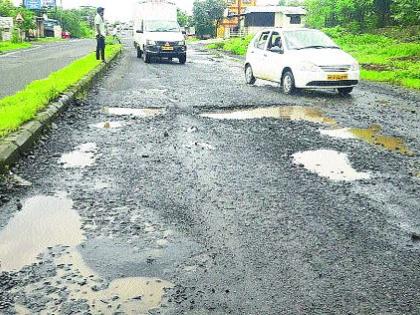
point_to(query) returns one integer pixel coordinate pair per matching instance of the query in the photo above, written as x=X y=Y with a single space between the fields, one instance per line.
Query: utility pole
x=239 y=13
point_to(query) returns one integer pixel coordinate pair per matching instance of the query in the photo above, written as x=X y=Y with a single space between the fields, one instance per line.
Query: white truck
x=156 y=32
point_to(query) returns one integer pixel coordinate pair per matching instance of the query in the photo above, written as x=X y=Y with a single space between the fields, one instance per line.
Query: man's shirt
x=99 y=21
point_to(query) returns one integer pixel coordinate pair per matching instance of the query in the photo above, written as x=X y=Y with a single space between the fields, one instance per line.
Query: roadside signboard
x=33 y=4
x=49 y=3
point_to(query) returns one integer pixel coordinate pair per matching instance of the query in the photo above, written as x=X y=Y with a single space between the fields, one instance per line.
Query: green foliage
x=206 y=16
x=382 y=58
x=23 y=106
x=361 y=16
x=237 y=46
x=183 y=18
x=7 y=46
x=16 y=37
x=77 y=22
x=8 y=9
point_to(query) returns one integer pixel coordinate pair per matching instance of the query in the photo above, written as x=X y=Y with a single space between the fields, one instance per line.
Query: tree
x=207 y=15
x=73 y=21
x=406 y=12
x=183 y=18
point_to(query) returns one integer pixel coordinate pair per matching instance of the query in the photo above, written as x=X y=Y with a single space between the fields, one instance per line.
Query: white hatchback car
x=300 y=59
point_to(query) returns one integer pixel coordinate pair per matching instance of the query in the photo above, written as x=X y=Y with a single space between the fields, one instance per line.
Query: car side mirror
x=139 y=31
x=184 y=32
x=277 y=50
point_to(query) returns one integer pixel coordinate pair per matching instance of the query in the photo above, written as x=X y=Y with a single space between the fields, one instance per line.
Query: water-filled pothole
x=135 y=112
x=372 y=136
x=277 y=112
x=83 y=156
x=43 y=222
x=330 y=164
x=110 y=125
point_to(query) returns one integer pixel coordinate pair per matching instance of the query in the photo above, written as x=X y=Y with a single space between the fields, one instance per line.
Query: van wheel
x=182 y=59
x=146 y=57
x=345 y=91
x=249 y=75
x=288 y=83
x=139 y=52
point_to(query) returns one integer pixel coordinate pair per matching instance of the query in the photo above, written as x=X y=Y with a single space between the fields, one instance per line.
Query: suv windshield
x=161 y=26
x=303 y=39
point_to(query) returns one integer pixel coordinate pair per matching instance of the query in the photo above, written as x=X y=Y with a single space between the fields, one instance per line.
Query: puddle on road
x=372 y=136
x=330 y=164
x=83 y=156
x=343 y=133
x=133 y=295
x=43 y=222
x=110 y=125
x=135 y=112
x=279 y=112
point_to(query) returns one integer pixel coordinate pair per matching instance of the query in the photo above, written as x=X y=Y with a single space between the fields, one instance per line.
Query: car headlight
x=355 y=67
x=309 y=66
x=150 y=42
x=181 y=43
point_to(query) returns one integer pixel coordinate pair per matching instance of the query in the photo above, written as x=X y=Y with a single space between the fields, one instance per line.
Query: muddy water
x=43 y=222
x=110 y=125
x=135 y=112
x=134 y=295
x=82 y=156
x=330 y=164
x=372 y=136
x=277 y=112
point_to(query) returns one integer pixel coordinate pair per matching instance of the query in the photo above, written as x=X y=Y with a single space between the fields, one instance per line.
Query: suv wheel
x=345 y=91
x=146 y=57
x=139 y=52
x=249 y=75
x=288 y=83
x=182 y=59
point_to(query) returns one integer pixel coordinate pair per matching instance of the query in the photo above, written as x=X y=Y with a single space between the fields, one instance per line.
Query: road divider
x=25 y=114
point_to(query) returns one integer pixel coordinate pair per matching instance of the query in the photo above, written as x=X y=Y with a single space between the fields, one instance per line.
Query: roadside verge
x=24 y=115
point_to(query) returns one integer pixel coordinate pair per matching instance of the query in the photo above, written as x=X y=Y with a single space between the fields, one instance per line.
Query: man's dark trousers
x=100 y=48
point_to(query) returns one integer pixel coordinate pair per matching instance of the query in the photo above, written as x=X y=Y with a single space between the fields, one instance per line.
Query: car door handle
x=252 y=51
x=265 y=55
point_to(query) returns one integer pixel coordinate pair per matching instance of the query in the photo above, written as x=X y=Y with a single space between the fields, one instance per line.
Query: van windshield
x=161 y=26
x=304 y=39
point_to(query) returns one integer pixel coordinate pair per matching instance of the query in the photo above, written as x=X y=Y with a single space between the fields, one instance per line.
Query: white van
x=156 y=31
x=300 y=59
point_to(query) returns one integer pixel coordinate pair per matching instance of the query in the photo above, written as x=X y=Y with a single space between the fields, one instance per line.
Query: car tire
x=345 y=91
x=182 y=59
x=288 y=83
x=139 y=52
x=146 y=57
x=249 y=75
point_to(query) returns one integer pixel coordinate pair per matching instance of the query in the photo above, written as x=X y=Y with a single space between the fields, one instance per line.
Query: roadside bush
x=16 y=37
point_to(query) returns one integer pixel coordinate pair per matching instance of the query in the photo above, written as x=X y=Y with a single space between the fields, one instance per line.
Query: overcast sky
x=121 y=9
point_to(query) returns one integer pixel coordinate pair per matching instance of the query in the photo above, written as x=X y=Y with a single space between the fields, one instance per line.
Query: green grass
x=383 y=58
x=21 y=107
x=7 y=46
x=48 y=40
x=236 y=46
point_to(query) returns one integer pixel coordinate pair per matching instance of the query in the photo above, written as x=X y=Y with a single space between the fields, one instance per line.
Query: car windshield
x=161 y=26
x=304 y=39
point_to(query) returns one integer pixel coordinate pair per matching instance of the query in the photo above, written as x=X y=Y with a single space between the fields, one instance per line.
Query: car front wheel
x=249 y=75
x=288 y=83
x=345 y=91
x=146 y=57
x=182 y=59
x=139 y=52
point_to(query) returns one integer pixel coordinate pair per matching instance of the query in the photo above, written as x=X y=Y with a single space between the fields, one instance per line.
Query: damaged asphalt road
x=176 y=189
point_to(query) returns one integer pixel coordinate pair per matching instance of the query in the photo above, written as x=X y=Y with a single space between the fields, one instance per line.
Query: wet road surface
x=21 y=67
x=176 y=189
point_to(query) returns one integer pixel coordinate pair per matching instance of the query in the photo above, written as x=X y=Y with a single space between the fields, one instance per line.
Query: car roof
x=281 y=29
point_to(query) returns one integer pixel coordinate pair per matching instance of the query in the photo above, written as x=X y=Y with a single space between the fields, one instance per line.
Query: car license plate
x=337 y=77
x=167 y=48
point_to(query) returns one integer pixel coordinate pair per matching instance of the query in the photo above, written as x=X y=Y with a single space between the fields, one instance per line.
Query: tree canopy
x=206 y=16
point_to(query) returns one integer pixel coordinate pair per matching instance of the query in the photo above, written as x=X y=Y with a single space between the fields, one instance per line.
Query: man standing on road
x=100 y=34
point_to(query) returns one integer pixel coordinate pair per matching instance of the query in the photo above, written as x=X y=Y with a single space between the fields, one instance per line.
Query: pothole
x=43 y=222
x=372 y=136
x=110 y=125
x=330 y=164
x=136 y=112
x=278 y=112
x=83 y=156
